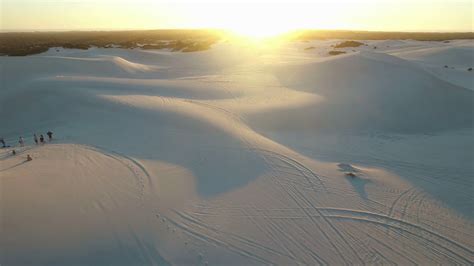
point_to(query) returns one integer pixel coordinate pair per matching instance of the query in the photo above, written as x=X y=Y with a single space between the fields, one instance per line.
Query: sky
x=251 y=17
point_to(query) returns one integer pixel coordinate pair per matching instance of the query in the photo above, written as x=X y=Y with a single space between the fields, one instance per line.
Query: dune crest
x=238 y=155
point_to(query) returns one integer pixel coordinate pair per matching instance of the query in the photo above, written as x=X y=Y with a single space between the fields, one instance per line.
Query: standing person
x=50 y=135
x=4 y=145
x=35 y=138
x=41 y=139
x=21 y=141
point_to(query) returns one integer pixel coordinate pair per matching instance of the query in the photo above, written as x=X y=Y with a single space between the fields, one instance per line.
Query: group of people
x=21 y=141
x=40 y=140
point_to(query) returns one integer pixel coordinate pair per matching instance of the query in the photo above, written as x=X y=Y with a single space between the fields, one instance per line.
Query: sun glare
x=257 y=21
x=258 y=32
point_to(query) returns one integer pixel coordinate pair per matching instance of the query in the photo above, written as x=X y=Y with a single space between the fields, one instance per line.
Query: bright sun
x=258 y=31
x=255 y=21
x=261 y=19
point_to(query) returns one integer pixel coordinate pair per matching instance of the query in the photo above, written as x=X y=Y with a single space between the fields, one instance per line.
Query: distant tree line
x=375 y=35
x=27 y=43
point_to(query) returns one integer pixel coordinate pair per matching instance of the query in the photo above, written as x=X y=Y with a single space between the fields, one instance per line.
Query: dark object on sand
x=348 y=44
x=351 y=174
x=13 y=152
x=336 y=52
x=346 y=168
x=28 y=158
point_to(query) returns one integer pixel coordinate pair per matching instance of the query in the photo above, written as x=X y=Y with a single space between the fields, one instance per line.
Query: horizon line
x=216 y=29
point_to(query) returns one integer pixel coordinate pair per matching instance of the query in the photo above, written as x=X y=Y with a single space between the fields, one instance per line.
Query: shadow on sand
x=13 y=166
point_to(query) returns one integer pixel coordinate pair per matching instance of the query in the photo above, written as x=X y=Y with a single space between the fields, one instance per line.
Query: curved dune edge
x=213 y=160
x=132 y=197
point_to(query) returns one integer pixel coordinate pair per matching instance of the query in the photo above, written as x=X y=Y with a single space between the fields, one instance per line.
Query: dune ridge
x=234 y=155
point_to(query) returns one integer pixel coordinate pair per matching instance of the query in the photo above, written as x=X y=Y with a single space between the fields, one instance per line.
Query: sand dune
x=459 y=55
x=372 y=91
x=238 y=156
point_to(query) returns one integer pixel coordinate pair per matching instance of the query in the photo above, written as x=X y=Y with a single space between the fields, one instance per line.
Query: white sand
x=238 y=156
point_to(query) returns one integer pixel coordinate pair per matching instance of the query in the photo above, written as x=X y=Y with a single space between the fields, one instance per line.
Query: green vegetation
x=181 y=45
x=374 y=35
x=348 y=44
x=27 y=43
x=334 y=52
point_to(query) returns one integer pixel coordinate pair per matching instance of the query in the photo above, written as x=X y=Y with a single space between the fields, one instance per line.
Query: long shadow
x=220 y=161
x=356 y=181
x=19 y=151
x=447 y=182
x=13 y=166
x=359 y=185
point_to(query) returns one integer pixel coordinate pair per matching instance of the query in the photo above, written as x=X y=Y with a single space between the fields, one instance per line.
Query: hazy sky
x=246 y=16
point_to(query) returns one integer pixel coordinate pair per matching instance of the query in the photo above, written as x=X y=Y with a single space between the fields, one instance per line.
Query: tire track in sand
x=142 y=176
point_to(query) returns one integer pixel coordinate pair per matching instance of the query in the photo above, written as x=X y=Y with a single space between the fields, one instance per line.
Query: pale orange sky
x=256 y=17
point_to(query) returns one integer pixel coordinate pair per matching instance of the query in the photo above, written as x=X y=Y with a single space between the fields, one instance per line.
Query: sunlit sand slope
x=238 y=156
